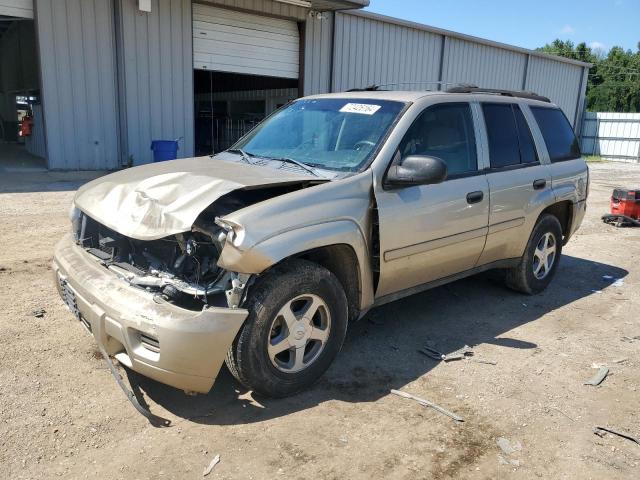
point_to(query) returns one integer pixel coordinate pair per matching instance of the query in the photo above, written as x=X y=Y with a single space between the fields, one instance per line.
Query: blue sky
x=530 y=24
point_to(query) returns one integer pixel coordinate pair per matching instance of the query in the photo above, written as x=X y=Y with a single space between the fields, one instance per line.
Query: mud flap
x=154 y=420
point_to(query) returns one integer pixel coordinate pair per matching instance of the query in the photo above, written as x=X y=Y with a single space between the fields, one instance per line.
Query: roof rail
x=506 y=93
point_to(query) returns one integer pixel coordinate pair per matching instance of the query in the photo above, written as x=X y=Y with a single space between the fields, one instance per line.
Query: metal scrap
x=211 y=465
x=600 y=431
x=464 y=353
x=598 y=377
x=427 y=403
x=39 y=313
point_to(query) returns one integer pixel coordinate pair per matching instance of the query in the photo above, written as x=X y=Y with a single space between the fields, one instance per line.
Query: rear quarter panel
x=569 y=180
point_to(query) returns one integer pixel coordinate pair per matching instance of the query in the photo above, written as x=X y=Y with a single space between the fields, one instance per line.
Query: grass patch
x=594 y=158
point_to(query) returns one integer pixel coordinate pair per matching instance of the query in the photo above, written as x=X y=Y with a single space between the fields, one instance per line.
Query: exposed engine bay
x=181 y=268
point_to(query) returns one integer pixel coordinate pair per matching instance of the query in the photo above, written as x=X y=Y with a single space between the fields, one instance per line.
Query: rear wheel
x=540 y=259
x=296 y=325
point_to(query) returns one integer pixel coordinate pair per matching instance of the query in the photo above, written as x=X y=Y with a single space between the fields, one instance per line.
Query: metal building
x=113 y=75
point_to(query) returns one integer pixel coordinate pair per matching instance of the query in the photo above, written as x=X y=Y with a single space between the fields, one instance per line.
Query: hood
x=160 y=199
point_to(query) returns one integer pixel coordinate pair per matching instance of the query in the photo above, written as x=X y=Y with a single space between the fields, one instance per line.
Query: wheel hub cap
x=544 y=256
x=299 y=332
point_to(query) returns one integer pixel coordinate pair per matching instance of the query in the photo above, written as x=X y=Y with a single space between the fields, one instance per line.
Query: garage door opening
x=245 y=67
x=228 y=105
x=22 y=142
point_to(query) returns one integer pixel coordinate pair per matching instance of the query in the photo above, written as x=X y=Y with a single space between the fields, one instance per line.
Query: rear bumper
x=579 y=210
x=178 y=347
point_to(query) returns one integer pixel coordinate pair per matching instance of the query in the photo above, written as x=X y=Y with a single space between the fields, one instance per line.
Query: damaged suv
x=260 y=256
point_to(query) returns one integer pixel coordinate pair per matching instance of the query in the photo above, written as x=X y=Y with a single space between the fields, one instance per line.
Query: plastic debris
x=598 y=377
x=427 y=403
x=600 y=431
x=39 y=313
x=210 y=467
x=507 y=447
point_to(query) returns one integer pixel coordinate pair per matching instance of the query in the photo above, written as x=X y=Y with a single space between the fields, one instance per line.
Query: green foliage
x=614 y=80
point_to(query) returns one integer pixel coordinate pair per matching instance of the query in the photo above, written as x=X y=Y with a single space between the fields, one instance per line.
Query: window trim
x=515 y=106
x=561 y=159
x=472 y=173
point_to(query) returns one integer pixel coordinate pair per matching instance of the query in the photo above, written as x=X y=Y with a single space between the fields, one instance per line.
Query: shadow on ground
x=380 y=352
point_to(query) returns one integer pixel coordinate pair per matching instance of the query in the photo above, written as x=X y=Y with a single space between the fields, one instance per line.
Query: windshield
x=329 y=133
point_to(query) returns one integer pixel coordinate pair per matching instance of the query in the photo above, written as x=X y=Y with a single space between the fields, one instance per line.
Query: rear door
x=519 y=181
x=428 y=232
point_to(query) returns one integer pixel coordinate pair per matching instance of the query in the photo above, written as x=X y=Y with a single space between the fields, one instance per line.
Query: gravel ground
x=62 y=414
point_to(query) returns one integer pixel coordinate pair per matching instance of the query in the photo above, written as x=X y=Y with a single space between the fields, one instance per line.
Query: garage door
x=230 y=41
x=17 y=8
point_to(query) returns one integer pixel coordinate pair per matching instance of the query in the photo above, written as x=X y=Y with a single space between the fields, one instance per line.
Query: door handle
x=539 y=184
x=475 y=197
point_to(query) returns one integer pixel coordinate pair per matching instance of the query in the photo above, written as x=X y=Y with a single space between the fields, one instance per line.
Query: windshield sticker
x=363 y=108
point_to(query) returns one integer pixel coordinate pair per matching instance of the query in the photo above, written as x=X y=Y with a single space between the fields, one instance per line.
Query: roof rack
x=506 y=93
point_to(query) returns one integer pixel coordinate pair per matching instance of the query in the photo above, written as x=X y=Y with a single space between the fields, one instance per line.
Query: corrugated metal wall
x=36 y=143
x=77 y=61
x=373 y=49
x=561 y=82
x=485 y=66
x=156 y=76
x=318 y=42
x=614 y=136
x=268 y=7
x=368 y=51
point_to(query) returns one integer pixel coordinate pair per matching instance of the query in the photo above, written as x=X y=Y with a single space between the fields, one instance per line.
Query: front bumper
x=178 y=347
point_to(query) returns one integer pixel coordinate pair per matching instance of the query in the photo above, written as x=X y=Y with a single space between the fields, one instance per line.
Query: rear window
x=558 y=135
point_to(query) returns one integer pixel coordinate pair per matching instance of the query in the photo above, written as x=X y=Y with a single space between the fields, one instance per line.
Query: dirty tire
x=248 y=358
x=521 y=277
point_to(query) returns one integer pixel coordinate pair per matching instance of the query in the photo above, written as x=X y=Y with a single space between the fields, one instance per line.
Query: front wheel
x=296 y=325
x=540 y=260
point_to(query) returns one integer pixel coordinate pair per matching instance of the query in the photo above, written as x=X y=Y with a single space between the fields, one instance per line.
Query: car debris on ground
x=602 y=431
x=464 y=353
x=39 y=313
x=209 y=468
x=599 y=377
x=427 y=403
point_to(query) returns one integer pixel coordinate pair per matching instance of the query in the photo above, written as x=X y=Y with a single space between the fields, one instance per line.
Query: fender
x=271 y=250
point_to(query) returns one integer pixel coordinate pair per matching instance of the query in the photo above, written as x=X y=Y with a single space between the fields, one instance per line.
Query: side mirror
x=416 y=170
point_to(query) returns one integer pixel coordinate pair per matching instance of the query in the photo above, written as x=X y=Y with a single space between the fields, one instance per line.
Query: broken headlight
x=75 y=216
x=234 y=231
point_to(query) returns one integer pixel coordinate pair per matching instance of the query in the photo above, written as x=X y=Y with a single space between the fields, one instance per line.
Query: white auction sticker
x=363 y=108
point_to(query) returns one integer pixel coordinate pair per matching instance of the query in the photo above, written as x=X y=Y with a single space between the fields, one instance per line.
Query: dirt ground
x=62 y=414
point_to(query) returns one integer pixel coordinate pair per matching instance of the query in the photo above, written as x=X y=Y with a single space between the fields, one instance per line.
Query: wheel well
x=563 y=211
x=341 y=260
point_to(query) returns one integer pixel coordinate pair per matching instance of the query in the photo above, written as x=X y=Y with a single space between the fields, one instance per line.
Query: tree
x=613 y=83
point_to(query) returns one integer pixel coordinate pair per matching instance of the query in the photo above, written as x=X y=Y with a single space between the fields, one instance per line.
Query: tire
x=290 y=288
x=523 y=277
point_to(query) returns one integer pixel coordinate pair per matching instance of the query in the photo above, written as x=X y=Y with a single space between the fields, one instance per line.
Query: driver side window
x=444 y=131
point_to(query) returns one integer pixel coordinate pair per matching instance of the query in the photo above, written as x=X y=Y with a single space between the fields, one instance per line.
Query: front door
x=428 y=232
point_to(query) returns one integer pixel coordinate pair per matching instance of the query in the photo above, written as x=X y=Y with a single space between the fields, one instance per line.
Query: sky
x=601 y=24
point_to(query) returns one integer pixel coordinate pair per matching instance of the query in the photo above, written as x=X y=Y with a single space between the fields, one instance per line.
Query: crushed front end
x=162 y=307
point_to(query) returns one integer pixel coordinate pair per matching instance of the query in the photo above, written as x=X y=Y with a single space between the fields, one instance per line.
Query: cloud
x=567 y=30
x=597 y=46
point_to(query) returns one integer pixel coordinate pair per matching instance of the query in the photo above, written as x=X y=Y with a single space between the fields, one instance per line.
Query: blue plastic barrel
x=164 y=150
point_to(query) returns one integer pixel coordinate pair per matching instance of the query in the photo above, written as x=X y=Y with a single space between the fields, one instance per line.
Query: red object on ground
x=625 y=208
x=26 y=127
x=626 y=202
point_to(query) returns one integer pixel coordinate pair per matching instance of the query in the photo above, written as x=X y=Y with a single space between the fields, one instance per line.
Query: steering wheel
x=362 y=143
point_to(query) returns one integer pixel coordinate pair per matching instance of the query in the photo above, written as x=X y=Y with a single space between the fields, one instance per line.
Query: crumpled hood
x=160 y=199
